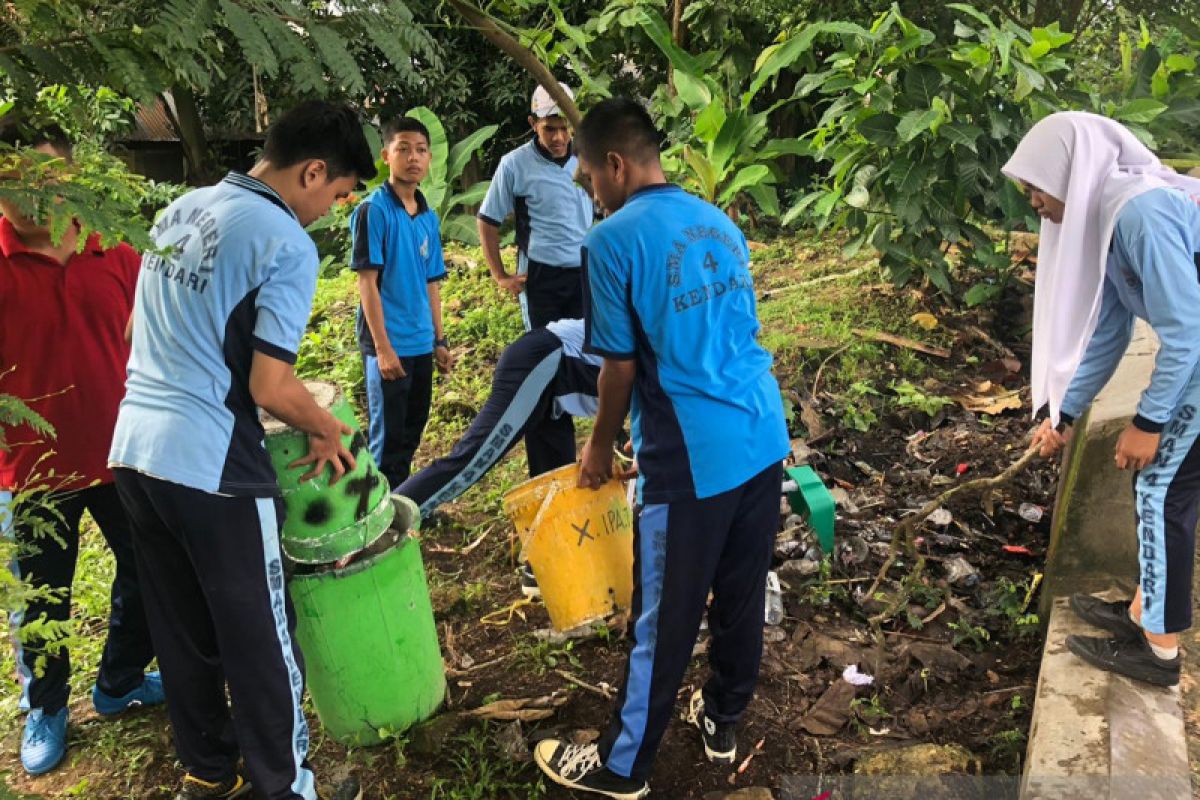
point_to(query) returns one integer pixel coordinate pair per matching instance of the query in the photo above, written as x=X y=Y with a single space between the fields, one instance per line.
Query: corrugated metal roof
x=152 y=123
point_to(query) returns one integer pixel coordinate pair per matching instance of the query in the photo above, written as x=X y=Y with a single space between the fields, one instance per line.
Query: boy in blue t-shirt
x=669 y=304
x=220 y=309
x=397 y=253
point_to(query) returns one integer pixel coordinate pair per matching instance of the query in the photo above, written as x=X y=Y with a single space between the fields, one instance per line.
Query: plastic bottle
x=774 y=604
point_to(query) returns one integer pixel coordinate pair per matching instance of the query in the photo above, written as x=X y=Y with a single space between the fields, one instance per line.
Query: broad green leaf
x=660 y=34
x=692 y=90
x=1004 y=40
x=745 y=177
x=858 y=197
x=1142 y=110
x=461 y=152
x=766 y=197
x=922 y=83
x=961 y=134
x=802 y=205
x=1028 y=81
x=702 y=172
x=940 y=205
x=709 y=122
x=938 y=275
x=460 y=228
x=880 y=129
x=434 y=186
x=1051 y=36
x=907 y=176
x=1177 y=62
x=785 y=147
x=914 y=123
x=982 y=293
x=469 y=197
x=1183 y=110
x=972 y=12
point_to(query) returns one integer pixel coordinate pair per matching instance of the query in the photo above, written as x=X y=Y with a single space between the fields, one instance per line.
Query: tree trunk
x=522 y=55
x=678 y=31
x=185 y=119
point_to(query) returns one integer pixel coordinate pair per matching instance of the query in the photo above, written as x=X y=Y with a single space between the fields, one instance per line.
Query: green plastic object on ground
x=325 y=523
x=369 y=638
x=813 y=501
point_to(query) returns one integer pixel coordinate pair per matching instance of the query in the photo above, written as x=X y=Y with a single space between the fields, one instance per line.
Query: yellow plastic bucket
x=579 y=543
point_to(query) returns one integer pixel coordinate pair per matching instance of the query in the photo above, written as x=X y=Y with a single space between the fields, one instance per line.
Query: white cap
x=543 y=105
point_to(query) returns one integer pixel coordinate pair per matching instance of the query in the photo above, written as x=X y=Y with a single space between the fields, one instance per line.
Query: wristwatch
x=443 y=342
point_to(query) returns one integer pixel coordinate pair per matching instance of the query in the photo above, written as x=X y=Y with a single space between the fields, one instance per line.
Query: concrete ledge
x=1098 y=735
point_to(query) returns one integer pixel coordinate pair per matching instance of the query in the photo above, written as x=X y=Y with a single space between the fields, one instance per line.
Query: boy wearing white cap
x=535 y=184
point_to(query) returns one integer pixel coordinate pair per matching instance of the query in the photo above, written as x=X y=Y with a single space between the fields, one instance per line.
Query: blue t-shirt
x=407 y=251
x=668 y=284
x=1153 y=273
x=239 y=278
x=552 y=211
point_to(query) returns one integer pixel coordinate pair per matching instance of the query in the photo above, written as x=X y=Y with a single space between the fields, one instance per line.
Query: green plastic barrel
x=369 y=638
x=325 y=523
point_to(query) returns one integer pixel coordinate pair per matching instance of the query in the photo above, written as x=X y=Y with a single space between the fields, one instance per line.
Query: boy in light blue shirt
x=669 y=305
x=397 y=253
x=218 y=317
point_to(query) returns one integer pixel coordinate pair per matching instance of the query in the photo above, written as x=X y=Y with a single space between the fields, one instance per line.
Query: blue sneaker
x=150 y=693
x=44 y=742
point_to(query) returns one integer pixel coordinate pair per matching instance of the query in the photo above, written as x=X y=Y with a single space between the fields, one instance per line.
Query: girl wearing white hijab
x=1120 y=239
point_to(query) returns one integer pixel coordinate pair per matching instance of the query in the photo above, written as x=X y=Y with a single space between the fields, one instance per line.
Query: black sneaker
x=1111 y=616
x=529 y=584
x=1132 y=658
x=720 y=739
x=577 y=766
x=196 y=789
x=349 y=789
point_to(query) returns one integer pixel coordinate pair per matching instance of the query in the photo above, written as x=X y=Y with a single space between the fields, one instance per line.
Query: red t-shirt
x=63 y=351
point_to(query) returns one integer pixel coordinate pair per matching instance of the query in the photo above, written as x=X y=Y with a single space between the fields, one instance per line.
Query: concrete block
x=1098 y=735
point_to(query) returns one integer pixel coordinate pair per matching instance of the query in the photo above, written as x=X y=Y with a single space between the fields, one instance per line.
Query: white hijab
x=1094 y=165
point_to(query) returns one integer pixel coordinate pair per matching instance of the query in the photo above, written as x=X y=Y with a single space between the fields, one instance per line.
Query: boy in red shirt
x=63 y=315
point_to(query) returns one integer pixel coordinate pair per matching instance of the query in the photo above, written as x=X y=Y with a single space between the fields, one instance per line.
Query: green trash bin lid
x=813 y=501
x=324 y=522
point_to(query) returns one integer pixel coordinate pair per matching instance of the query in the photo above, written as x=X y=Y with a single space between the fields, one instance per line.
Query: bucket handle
x=537 y=519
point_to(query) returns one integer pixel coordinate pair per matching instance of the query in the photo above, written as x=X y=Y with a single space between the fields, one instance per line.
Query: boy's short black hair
x=18 y=132
x=618 y=125
x=316 y=129
x=397 y=125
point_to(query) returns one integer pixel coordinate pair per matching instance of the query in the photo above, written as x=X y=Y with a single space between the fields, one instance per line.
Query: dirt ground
x=955 y=665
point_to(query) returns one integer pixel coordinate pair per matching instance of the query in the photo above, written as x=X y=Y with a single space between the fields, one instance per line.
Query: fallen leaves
x=987 y=397
x=526 y=709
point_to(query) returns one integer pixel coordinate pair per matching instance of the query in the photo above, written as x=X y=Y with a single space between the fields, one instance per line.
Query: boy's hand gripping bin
x=363 y=617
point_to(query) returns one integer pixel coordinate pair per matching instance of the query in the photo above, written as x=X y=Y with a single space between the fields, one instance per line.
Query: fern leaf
x=244 y=26
x=337 y=58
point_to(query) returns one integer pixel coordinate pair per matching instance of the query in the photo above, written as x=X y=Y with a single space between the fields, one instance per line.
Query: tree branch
x=492 y=31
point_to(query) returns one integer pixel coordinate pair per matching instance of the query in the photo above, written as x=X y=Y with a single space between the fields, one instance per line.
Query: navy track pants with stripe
x=1166 y=501
x=48 y=561
x=219 y=614
x=397 y=411
x=520 y=405
x=681 y=551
